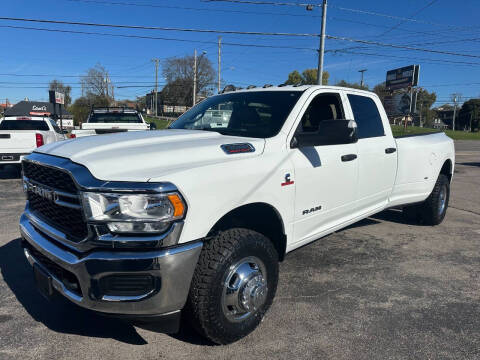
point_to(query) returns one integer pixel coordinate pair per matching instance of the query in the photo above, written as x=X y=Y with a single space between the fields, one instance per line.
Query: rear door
x=377 y=157
x=325 y=178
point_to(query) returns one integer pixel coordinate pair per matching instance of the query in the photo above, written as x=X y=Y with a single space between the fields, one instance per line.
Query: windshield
x=114 y=118
x=24 y=125
x=259 y=114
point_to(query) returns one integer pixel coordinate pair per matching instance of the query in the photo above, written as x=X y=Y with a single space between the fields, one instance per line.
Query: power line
x=341 y=38
x=189 y=8
x=434 y=61
x=264 y=3
x=403 y=21
x=341 y=8
x=156 y=38
x=139 y=27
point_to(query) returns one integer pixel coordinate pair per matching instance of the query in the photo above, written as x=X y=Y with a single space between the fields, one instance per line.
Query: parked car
x=153 y=224
x=20 y=135
x=112 y=120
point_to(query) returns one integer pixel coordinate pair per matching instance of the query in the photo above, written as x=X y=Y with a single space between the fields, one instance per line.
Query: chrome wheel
x=244 y=289
x=442 y=199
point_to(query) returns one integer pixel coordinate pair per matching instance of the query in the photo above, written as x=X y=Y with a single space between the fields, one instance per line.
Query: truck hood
x=142 y=155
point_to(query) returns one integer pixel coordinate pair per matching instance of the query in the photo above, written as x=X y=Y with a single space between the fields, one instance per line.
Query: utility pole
x=362 y=71
x=219 y=62
x=194 y=77
x=322 y=43
x=155 y=101
x=455 y=98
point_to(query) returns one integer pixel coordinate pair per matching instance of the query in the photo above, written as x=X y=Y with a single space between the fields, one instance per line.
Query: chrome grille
x=67 y=219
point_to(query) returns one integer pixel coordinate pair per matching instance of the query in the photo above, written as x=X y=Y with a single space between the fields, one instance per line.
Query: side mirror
x=330 y=132
x=153 y=126
x=64 y=131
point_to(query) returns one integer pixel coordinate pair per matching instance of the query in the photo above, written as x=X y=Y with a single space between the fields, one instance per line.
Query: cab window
x=365 y=113
x=322 y=107
x=55 y=126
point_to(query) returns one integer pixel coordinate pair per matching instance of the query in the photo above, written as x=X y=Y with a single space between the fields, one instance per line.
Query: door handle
x=349 y=157
x=390 y=150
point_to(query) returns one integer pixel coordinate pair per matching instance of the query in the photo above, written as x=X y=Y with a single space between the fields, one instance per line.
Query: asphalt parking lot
x=381 y=289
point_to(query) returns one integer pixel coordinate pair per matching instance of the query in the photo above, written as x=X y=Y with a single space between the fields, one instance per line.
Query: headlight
x=133 y=213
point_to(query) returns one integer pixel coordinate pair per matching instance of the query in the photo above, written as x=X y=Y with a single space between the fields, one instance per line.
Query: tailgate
x=17 y=141
x=114 y=126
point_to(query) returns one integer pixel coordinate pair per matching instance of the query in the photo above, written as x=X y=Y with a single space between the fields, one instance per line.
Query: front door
x=325 y=176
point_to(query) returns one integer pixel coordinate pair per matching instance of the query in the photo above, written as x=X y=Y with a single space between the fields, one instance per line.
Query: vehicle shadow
x=58 y=315
x=470 y=164
x=9 y=172
x=395 y=216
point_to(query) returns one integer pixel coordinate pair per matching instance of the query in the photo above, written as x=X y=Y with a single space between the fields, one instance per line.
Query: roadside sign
x=56 y=97
x=404 y=77
x=66 y=123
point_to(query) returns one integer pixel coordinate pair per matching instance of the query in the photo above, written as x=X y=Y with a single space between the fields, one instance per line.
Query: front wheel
x=234 y=285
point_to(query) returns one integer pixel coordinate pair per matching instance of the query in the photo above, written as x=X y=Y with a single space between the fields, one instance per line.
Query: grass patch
x=161 y=124
x=455 y=135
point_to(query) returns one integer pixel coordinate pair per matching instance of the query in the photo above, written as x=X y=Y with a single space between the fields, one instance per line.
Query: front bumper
x=172 y=269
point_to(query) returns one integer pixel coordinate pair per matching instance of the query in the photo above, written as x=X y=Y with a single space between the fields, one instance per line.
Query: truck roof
x=295 y=88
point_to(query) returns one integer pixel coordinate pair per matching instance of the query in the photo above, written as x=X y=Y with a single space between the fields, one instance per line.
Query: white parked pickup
x=112 y=120
x=196 y=218
x=20 y=135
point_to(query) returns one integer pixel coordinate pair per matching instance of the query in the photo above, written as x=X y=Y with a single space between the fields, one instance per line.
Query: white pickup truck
x=112 y=120
x=195 y=219
x=20 y=135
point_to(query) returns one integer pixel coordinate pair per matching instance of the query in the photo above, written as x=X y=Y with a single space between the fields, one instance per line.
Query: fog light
x=127 y=285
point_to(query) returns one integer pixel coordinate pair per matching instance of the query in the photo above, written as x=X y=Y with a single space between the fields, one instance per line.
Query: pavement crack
x=469 y=211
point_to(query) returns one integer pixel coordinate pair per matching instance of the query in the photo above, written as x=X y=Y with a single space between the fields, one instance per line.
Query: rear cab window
x=39 y=125
x=115 y=117
x=367 y=116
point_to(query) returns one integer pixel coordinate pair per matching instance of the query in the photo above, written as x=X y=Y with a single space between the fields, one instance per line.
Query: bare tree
x=96 y=83
x=179 y=75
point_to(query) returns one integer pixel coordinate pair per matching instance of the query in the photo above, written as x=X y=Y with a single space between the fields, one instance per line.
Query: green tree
x=425 y=100
x=80 y=109
x=344 y=83
x=381 y=91
x=308 y=77
x=59 y=86
x=469 y=115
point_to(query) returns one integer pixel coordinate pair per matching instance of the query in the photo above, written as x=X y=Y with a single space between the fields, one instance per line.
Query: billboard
x=397 y=104
x=403 y=77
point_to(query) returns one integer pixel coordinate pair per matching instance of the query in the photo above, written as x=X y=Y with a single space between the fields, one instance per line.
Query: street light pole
x=321 y=51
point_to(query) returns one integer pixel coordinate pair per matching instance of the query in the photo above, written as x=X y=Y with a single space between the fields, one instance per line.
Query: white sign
x=66 y=123
x=59 y=98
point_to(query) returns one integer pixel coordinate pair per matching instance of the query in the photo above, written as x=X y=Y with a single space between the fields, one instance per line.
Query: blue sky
x=443 y=26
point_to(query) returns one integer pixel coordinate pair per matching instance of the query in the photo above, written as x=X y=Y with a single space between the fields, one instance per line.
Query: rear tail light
x=39 y=139
x=73 y=136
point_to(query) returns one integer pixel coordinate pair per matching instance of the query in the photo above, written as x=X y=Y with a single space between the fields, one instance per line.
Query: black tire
x=213 y=277
x=412 y=213
x=433 y=212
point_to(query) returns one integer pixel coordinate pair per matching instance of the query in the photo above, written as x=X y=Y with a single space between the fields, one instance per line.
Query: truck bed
x=420 y=158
